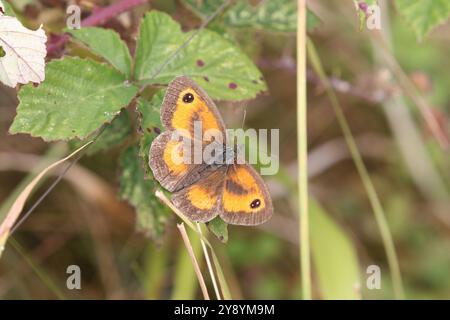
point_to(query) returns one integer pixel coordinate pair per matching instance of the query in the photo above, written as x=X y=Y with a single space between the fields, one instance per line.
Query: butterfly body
x=217 y=184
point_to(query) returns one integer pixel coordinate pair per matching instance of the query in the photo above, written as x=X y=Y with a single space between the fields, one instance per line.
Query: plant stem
x=302 y=151
x=208 y=263
x=220 y=275
x=104 y=14
x=190 y=250
x=100 y=16
x=364 y=174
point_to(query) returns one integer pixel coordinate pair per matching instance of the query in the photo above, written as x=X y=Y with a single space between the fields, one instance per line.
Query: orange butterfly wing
x=246 y=199
x=236 y=192
x=201 y=201
x=178 y=113
x=184 y=103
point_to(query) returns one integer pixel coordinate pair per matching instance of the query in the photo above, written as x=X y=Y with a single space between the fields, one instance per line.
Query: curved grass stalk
x=375 y=202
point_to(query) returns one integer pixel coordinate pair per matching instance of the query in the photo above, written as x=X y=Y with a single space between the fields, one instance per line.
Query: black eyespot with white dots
x=255 y=204
x=188 y=98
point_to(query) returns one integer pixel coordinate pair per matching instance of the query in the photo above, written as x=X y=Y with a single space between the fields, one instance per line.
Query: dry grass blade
x=198 y=272
x=220 y=275
x=17 y=207
x=208 y=263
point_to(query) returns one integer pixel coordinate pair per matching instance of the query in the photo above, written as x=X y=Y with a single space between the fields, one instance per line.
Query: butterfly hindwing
x=245 y=199
x=201 y=201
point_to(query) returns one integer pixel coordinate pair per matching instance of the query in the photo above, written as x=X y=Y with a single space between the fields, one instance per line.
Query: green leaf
x=273 y=15
x=107 y=44
x=8 y=9
x=20 y=5
x=151 y=215
x=204 y=8
x=213 y=62
x=77 y=97
x=334 y=256
x=219 y=228
x=114 y=134
x=312 y=21
x=149 y=126
x=424 y=15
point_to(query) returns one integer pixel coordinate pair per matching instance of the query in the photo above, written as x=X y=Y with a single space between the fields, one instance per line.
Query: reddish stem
x=104 y=14
x=99 y=16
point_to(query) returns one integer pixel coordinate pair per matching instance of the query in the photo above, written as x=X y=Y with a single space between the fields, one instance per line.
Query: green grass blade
x=43 y=276
x=375 y=202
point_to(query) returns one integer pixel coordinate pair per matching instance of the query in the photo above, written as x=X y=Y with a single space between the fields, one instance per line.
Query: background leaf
x=219 y=228
x=7 y=8
x=312 y=21
x=334 y=257
x=213 y=62
x=273 y=15
x=23 y=52
x=424 y=15
x=77 y=97
x=107 y=44
x=114 y=134
x=151 y=215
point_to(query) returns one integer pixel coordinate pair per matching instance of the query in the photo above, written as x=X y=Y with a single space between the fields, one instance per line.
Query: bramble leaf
x=273 y=15
x=424 y=15
x=23 y=51
x=107 y=44
x=151 y=215
x=77 y=97
x=213 y=62
x=114 y=134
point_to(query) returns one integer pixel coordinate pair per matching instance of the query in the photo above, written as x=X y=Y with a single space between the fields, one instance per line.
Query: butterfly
x=233 y=190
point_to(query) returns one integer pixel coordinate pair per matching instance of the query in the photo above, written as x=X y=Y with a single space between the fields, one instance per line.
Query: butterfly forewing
x=186 y=103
